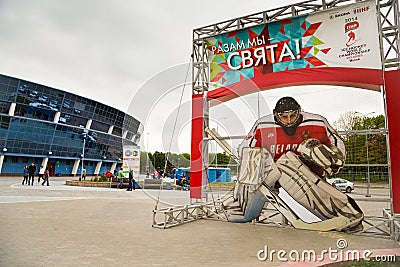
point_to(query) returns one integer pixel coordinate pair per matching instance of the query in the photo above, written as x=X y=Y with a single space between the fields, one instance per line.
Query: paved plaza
x=61 y=225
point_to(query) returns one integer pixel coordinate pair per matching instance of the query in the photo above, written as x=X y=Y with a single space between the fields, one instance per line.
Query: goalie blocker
x=330 y=158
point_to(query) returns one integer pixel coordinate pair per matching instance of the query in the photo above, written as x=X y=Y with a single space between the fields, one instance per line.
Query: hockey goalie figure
x=284 y=161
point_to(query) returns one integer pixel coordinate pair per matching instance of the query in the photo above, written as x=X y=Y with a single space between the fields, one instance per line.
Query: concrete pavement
x=70 y=226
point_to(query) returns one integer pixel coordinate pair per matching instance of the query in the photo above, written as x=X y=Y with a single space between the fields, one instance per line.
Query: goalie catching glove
x=329 y=158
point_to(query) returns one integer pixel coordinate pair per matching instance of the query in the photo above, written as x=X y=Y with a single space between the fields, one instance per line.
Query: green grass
x=223 y=184
x=371 y=186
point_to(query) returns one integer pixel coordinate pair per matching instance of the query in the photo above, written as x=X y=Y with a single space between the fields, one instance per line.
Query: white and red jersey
x=268 y=134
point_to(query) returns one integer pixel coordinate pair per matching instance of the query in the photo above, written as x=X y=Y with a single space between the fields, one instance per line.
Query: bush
x=103 y=179
x=99 y=179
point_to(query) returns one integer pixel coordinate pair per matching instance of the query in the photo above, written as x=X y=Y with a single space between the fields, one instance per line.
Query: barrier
x=153 y=183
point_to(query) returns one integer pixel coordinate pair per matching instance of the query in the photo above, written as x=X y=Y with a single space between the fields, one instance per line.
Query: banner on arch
x=344 y=37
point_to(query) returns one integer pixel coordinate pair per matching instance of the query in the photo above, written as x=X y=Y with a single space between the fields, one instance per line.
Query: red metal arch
x=370 y=79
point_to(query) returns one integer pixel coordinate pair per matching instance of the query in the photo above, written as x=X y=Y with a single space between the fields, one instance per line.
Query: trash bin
x=168 y=186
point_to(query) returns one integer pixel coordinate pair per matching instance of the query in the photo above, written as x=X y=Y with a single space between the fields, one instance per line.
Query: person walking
x=155 y=174
x=184 y=182
x=121 y=178
x=46 y=176
x=31 y=173
x=131 y=184
x=84 y=174
x=26 y=173
x=41 y=173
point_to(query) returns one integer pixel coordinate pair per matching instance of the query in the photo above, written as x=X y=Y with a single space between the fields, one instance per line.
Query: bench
x=115 y=181
x=153 y=183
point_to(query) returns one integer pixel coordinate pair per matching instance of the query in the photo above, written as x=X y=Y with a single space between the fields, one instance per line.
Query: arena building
x=60 y=130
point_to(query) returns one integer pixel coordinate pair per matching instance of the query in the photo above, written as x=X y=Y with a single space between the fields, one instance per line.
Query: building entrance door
x=51 y=165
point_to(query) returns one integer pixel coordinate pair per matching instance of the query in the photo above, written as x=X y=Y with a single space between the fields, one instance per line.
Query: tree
x=219 y=159
x=143 y=161
x=346 y=121
x=157 y=160
x=357 y=143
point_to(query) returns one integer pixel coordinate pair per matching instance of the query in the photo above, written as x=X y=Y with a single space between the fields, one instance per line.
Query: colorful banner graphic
x=341 y=37
x=131 y=160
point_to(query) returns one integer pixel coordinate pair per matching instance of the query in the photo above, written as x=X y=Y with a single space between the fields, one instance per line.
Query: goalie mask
x=287 y=114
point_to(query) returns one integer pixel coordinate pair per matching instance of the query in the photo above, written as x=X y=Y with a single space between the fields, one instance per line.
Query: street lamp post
x=83 y=153
x=368 y=177
x=147 y=156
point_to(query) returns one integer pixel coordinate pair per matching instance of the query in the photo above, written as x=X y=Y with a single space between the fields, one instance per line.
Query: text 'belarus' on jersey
x=267 y=134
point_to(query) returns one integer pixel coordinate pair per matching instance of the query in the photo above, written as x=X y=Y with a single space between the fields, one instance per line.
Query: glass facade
x=39 y=122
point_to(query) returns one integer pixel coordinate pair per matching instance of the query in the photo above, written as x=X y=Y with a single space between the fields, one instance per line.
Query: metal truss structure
x=389 y=33
x=386 y=226
x=178 y=215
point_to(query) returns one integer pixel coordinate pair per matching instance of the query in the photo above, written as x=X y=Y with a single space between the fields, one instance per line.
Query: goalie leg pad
x=257 y=166
x=314 y=193
x=248 y=205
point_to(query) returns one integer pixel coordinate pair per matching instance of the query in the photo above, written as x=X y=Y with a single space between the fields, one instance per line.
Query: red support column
x=199 y=153
x=392 y=88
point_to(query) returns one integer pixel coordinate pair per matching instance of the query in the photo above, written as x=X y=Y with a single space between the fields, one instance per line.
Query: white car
x=341 y=184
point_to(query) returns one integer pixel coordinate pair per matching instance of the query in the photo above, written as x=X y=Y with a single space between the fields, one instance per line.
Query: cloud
x=110 y=50
x=101 y=49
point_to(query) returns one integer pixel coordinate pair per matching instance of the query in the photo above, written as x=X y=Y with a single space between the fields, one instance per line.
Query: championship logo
x=350 y=29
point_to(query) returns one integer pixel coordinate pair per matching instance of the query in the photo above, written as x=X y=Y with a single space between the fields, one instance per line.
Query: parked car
x=341 y=184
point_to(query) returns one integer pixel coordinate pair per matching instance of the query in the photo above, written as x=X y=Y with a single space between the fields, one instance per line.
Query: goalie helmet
x=287 y=114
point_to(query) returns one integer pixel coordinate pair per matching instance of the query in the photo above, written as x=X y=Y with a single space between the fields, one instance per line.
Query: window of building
x=117 y=131
x=4 y=122
x=4 y=107
x=100 y=126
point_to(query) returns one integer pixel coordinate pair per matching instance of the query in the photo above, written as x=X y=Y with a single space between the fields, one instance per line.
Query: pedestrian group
x=29 y=175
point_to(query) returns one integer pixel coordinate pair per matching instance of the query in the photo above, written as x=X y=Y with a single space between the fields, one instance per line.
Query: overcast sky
x=133 y=55
x=101 y=49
